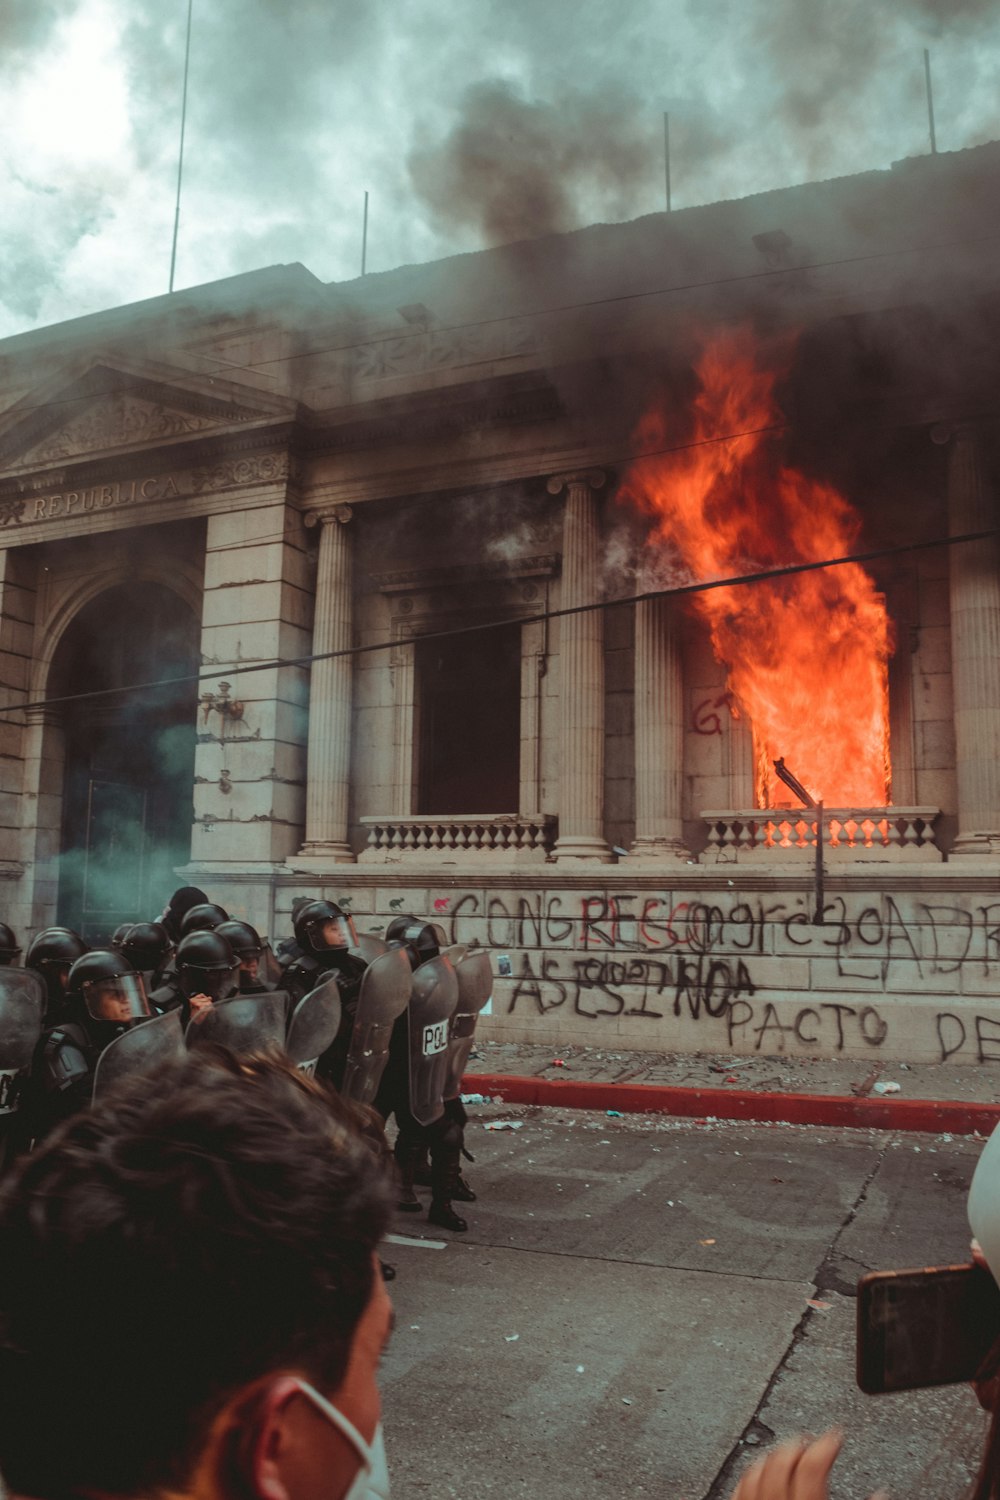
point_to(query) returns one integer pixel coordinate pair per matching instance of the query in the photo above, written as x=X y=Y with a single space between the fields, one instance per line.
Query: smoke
x=519 y=121
x=515 y=167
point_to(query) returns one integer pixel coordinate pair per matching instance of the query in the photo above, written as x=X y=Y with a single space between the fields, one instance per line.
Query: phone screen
x=925 y=1327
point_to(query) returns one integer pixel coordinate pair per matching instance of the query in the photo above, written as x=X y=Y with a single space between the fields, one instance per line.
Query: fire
x=806 y=656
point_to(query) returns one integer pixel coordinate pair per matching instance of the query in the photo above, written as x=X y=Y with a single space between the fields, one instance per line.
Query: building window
x=469 y=707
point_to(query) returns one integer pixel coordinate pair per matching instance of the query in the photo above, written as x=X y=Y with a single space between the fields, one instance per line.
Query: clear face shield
x=120 y=1000
x=328 y=933
x=216 y=983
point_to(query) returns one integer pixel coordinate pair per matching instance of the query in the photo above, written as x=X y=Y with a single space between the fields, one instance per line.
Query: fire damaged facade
x=335 y=569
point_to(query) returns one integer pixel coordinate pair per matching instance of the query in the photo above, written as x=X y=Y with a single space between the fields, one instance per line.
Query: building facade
x=309 y=589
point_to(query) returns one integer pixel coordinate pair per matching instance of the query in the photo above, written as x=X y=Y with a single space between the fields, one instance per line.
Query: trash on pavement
x=818 y=1305
x=706 y=1242
x=614 y=1114
x=475 y=1098
x=511 y=1338
x=502 y=1124
x=886 y=1088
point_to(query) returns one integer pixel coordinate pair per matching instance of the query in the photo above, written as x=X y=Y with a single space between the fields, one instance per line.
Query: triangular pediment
x=111 y=407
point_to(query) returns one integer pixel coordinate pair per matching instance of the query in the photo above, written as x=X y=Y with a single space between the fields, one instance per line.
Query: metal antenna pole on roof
x=666 y=154
x=180 y=154
x=930 y=100
x=364 y=238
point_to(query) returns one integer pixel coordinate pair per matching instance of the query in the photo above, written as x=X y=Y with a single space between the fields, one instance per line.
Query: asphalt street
x=641 y=1305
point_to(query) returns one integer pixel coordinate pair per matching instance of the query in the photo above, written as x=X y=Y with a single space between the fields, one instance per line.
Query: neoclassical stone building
x=307 y=550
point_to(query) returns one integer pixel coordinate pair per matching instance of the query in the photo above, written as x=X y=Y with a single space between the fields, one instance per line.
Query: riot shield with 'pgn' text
x=385 y=990
x=244 y=1023
x=432 y=1005
x=314 y=1025
x=141 y=1049
x=475 y=986
x=22 y=1010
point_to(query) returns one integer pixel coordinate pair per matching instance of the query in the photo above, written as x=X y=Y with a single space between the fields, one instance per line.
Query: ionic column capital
x=591 y=479
x=340 y=513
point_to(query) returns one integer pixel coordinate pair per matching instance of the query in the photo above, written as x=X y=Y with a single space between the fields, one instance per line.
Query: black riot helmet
x=106 y=995
x=118 y=935
x=323 y=927
x=204 y=917
x=242 y=938
x=52 y=953
x=9 y=945
x=146 y=945
x=206 y=965
x=421 y=940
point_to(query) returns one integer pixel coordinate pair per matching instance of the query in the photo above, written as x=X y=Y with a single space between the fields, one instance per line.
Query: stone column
x=975 y=648
x=581 y=676
x=659 y=730
x=329 y=754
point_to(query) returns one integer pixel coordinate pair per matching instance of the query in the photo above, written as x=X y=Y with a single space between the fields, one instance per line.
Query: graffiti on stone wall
x=621 y=956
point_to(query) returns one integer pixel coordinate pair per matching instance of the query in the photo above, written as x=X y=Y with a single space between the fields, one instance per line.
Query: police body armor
x=243 y=1023
x=475 y=986
x=432 y=1005
x=23 y=999
x=385 y=989
x=139 y=1050
x=314 y=1025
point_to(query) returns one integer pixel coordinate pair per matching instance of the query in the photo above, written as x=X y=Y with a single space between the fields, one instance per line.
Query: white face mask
x=372 y=1479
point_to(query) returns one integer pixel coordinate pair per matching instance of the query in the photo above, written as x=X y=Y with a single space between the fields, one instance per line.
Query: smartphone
x=928 y=1327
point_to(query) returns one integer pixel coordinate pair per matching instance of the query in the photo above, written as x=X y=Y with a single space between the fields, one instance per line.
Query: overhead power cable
x=243 y=669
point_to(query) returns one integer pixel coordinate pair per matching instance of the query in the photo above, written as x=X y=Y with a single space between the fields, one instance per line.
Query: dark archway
x=128 y=789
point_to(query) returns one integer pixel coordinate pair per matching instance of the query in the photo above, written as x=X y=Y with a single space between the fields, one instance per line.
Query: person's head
x=245 y=943
x=421 y=940
x=323 y=927
x=105 y=995
x=146 y=945
x=178 y=1264
x=204 y=917
x=206 y=965
x=9 y=945
x=52 y=953
x=180 y=902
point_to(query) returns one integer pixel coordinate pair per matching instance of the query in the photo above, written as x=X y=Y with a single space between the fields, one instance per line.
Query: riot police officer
x=324 y=935
x=10 y=948
x=52 y=953
x=147 y=946
x=104 y=997
x=246 y=943
x=442 y=1137
x=205 y=971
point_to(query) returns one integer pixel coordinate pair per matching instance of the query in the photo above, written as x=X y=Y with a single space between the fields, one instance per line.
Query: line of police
x=388 y=1022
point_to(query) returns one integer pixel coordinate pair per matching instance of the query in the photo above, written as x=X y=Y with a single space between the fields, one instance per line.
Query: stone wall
x=904 y=966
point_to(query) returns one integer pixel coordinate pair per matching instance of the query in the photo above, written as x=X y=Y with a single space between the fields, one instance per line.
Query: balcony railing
x=850 y=835
x=503 y=837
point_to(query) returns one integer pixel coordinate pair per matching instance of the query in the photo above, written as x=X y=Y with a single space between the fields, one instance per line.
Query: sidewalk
x=825 y=1091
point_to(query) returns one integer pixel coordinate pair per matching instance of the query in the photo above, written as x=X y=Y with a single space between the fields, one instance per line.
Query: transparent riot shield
x=432 y=1005
x=139 y=1050
x=243 y=1023
x=475 y=986
x=314 y=1025
x=22 y=1011
x=385 y=990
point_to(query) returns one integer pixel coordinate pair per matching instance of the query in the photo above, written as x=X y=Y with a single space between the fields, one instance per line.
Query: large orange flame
x=806 y=656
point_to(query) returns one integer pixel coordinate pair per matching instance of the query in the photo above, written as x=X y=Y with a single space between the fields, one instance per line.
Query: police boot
x=422 y=1171
x=407 y=1158
x=445 y=1178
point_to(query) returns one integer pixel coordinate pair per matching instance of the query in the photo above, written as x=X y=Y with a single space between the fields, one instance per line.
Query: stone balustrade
x=850 y=835
x=505 y=837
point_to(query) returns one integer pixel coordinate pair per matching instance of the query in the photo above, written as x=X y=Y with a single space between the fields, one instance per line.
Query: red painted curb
x=932 y=1115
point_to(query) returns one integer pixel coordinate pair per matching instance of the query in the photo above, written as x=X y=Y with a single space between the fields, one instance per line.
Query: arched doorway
x=127 y=795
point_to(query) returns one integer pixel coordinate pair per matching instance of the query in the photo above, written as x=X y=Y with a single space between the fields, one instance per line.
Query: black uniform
x=324 y=934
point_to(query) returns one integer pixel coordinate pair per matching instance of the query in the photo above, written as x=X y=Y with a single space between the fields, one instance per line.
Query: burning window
x=806 y=655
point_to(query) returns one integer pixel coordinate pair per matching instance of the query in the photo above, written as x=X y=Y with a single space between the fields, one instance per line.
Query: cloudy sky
x=470 y=122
